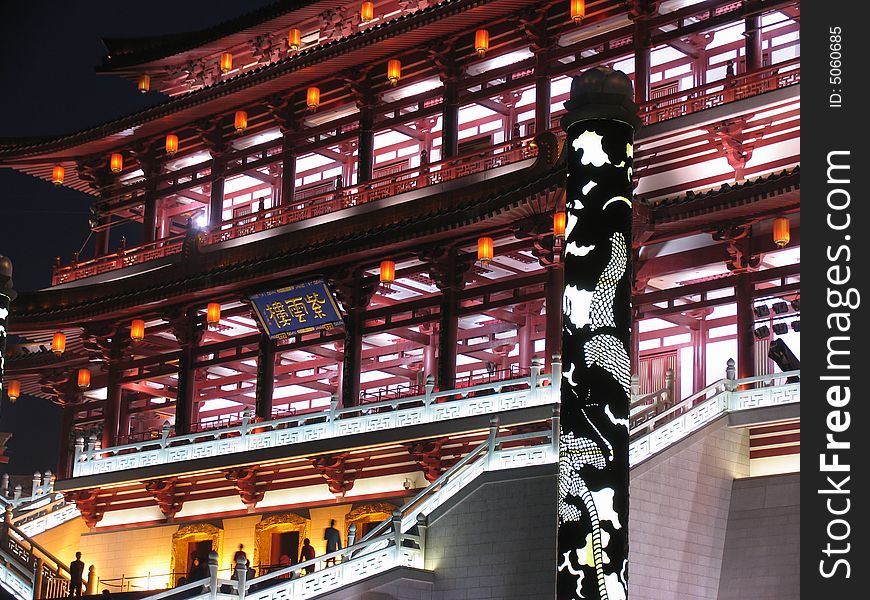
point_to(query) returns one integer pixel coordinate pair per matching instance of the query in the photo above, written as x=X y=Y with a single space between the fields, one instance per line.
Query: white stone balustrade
x=485 y=399
x=701 y=408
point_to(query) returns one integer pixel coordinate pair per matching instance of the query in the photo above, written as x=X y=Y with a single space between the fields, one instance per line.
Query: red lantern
x=578 y=10
x=137 y=330
x=388 y=273
x=144 y=83
x=394 y=71
x=116 y=162
x=241 y=121
x=57 y=175
x=781 y=232
x=367 y=11
x=13 y=390
x=58 y=343
x=312 y=98
x=559 y=222
x=213 y=313
x=171 y=144
x=226 y=62
x=294 y=39
x=84 y=379
x=481 y=42
x=485 y=249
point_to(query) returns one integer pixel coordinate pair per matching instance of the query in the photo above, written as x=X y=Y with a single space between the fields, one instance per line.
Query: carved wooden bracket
x=333 y=468
x=86 y=503
x=251 y=484
x=427 y=454
x=169 y=500
x=739 y=248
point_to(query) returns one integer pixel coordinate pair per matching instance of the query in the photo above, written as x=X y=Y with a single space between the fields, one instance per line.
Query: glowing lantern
x=388 y=273
x=171 y=144
x=13 y=390
x=394 y=71
x=84 y=379
x=226 y=62
x=241 y=121
x=57 y=175
x=116 y=163
x=213 y=313
x=137 y=330
x=484 y=250
x=144 y=83
x=58 y=343
x=367 y=12
x=781 y=232
x=559 y=220
x=578 y=10
x=312 y=98
x=481 y=42
x=294 y=39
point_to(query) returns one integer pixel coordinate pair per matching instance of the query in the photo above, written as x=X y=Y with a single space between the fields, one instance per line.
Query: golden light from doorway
x=58 y=343
x=84 y=379
x=294 y=39
x=485 y=249
x=57 y=175
x=137 y=330
x=144 y=83
x=171 y=144
x=781 y=232
x=116 y=162
x=481 y=42
x=13 y=390
x=213 y=313
x=312 y=98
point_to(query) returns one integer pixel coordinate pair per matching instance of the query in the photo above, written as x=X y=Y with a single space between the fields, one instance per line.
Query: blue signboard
x=296 y=309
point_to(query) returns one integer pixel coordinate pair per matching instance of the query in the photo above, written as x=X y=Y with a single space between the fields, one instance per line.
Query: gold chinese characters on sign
x=297 y=309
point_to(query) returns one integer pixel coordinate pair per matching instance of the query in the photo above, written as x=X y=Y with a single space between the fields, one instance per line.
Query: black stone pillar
x=450 y=119
x=593 y=443
x=265 y=378
x=754 y=48
x=365 y=150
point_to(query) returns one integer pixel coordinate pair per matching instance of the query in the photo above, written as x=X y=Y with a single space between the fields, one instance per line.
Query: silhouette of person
x=240 y=553
x=76 y=569
x=333 y=541
x=307 y=553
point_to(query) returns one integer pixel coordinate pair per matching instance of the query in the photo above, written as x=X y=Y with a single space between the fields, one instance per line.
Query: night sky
x=48 y=87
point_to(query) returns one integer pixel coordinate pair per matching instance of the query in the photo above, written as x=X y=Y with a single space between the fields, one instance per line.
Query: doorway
x=285 y=544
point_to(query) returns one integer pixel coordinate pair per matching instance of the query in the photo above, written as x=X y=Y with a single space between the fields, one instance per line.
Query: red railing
x=123 y=258
x=720 y=92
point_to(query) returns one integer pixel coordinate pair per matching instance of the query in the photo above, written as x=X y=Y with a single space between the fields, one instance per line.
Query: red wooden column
x=447 y=269
x=754 y=48
x=699 y=347
x=147 y=157
x=745 y=327
x=112 y=406
x=554 y=289
x=535 y=28
x=187 y=327
x=64 y=459
x=281 y=109
x=212 y=136
x=355 y=292
x=640 y=11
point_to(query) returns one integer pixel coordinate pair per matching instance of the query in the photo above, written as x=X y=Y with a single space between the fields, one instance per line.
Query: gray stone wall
x=762 y=543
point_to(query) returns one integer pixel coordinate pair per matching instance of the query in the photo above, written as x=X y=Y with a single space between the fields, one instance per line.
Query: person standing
x=307 y=553
x=239 y=557
x=76 y=570
x=333 y=541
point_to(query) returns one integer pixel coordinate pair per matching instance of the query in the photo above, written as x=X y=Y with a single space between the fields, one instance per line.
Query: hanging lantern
x=116 y=162
x=559 y=221
x=226 y=62
x=58 y=343
x=84 y=379
x=367 y=12
x=57 y=175
x=484 y=250
x=171 y=144
x=294 y=39
x=394 y=71
x=388 y=273
x=137 y=330
x=312 y=98
x=578 y=10
x=481 y=42
x=781 y=232
x=213 y=313
x=241 y=121
x=13 y=390
x=144 y=83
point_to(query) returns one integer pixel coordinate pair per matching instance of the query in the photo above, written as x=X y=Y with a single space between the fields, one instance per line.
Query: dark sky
x=48 y=86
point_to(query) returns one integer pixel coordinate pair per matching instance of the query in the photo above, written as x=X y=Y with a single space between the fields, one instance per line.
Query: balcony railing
x=432 y=406
x=720 y=92
x=398 y=183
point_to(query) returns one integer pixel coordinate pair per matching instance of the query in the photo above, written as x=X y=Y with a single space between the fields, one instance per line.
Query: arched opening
x=279 y=536
x=193 y=541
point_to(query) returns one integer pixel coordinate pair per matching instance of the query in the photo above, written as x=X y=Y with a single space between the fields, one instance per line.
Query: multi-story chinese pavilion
x=342 y=301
